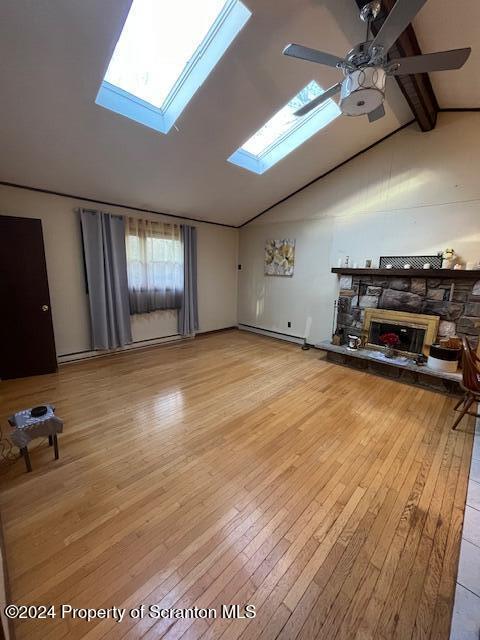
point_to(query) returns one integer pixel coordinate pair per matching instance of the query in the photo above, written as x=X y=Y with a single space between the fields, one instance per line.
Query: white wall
x=217 y=270
x=415 y=193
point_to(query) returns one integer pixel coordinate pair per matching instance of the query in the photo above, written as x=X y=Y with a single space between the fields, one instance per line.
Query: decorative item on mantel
x=344 y=262
x=448 y=259
x=411 y=262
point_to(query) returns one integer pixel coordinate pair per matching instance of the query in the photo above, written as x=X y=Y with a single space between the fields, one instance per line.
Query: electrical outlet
x=289 y=324
x=239 y=267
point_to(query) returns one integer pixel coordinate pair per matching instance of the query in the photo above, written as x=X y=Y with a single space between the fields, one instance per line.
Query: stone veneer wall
x=458 y=309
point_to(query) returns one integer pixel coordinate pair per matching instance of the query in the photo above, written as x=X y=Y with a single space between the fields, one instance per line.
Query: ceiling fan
x=367 y=65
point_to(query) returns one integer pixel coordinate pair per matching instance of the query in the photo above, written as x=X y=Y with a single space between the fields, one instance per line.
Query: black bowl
x=38 y=412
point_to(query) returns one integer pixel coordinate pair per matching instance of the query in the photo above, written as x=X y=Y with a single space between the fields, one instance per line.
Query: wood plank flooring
x=236 y=469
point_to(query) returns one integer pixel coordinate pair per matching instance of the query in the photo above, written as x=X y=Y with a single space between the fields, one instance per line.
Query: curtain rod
x=119 y=215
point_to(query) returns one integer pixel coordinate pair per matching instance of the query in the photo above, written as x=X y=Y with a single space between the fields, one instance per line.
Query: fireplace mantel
x=411 y=273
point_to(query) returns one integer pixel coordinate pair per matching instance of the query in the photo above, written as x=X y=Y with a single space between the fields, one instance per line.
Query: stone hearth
x=455 y=300
x=400 y=369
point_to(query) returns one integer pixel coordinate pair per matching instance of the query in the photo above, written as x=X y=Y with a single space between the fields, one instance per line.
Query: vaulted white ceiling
x=443 y=25
x=54 y=55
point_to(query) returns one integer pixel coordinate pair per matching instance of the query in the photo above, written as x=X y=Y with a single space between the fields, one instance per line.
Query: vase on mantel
x=389 y=351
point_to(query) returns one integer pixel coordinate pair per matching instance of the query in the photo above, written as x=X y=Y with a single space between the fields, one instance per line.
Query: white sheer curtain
x=154 y=264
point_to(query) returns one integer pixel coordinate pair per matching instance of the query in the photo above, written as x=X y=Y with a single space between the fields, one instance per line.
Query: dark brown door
x=27 y=345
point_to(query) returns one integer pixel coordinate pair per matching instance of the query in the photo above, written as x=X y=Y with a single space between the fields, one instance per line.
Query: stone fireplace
x=453 y=302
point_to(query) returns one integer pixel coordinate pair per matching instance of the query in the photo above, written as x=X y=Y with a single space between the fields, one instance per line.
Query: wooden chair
x=470 y=382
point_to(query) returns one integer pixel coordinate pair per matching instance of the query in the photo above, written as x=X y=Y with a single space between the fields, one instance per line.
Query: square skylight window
x=284 y=132
x=164 y=54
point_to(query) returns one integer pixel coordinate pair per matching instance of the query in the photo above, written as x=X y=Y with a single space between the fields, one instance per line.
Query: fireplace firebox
x=410 y=337
x=415 y=331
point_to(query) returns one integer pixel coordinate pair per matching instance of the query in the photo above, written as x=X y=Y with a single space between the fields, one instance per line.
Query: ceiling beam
x=416 y=88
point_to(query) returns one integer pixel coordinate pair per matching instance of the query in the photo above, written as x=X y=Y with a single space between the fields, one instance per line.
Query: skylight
x=165 y=52
x=284 y=132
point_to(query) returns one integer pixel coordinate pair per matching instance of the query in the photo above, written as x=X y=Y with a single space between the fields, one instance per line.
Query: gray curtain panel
x=106 y=269
x=188 y=312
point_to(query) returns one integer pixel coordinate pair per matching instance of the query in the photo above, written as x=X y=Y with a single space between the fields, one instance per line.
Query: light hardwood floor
x=238 y=469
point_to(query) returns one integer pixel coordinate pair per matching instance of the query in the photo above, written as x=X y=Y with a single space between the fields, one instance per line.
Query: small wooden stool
x=26 y=428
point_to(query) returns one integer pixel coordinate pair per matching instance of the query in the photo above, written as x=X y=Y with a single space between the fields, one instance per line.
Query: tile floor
x=466 y=611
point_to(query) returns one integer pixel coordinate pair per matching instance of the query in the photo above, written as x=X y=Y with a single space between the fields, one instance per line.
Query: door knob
x=45 y=307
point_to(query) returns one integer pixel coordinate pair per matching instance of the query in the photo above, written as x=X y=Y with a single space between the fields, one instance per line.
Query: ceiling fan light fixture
x=362 y=91
x=366 y=66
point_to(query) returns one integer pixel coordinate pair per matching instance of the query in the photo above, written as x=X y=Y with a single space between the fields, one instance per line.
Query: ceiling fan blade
x=441 y=61
x=312 y=55
x=318 y=100
x=402 y=13
x=377 y=114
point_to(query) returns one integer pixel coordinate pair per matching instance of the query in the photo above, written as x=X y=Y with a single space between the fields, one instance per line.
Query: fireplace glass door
x=410 y=337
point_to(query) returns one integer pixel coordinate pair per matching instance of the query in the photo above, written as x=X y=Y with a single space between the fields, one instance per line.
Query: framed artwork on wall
x=279 y=257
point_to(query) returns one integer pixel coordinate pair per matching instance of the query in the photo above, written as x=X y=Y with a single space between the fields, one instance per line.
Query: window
x=154 y=265
x=284 y=132
x=164 y=54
